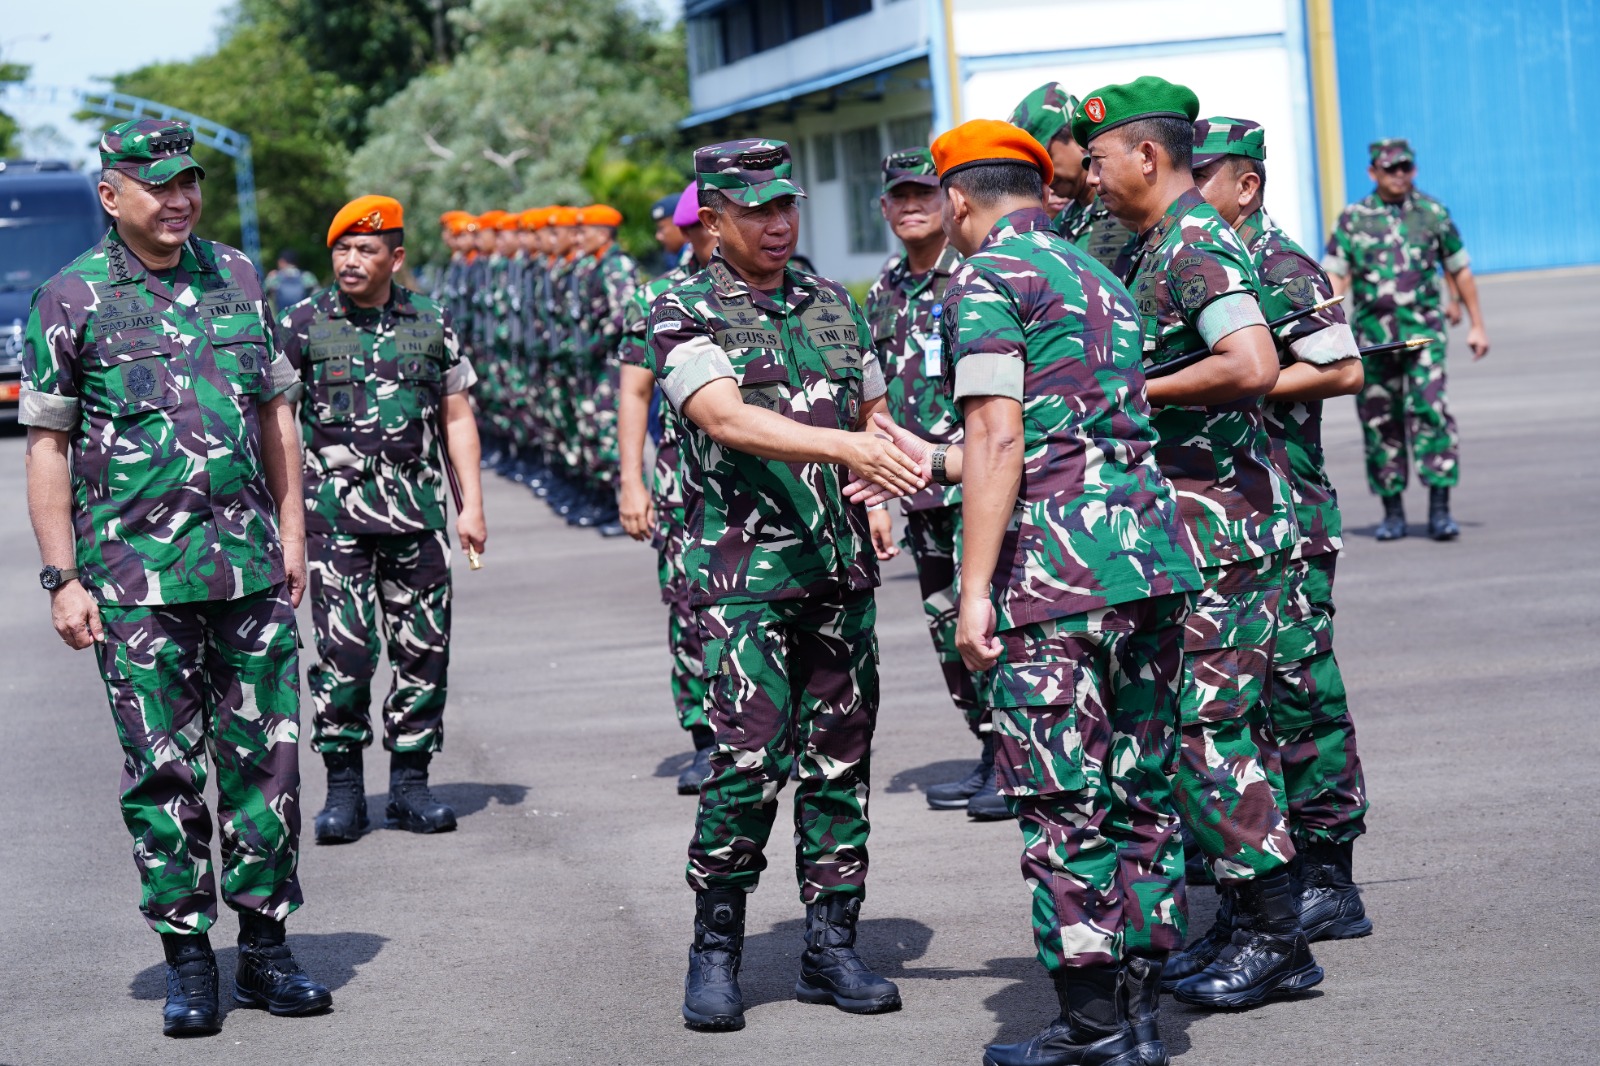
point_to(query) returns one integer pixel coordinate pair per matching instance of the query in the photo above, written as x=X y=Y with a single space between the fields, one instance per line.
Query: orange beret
x=452 y=216
x=599 y=215
x=491 y=219
x=508 y=220
x=563 y=216
x=366 y=214
x=535 y=218
x=988 y=140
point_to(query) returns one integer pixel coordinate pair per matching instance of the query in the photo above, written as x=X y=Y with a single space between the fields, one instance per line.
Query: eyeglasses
x=1399 y=168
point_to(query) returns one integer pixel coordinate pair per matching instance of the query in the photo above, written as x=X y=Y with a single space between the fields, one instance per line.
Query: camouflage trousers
x=1085 y=726
x=793 y=686
x=1326 y=791
x=1230 y=779
x=603 y=472
x=931 y=537
x=188 y=683
x=683 y=631
x=353 y=577
x=1403 y=402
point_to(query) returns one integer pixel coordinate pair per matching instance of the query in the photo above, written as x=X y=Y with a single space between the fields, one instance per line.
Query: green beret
x=909 y=166
x=1389 y=151
x=1117 y=105
x=1219 y=136
x=1045 y=112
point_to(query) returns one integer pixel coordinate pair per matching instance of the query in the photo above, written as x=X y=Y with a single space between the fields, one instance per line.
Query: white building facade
x=845 y=82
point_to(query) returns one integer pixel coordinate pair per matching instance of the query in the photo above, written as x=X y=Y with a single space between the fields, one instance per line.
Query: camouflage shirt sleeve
x=988 y=348
x=49 y=393
x=459 y=376
x=873 y=384
x=1214 y=292
x=1321 y=338
x=1336 y=257
x=685 y=355
x=1452 y=251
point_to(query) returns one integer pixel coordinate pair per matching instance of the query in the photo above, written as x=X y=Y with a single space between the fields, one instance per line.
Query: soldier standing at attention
x=772 y=370
x=1082 y=219
x=659 y=512
x=1196 y=289
x=904 y=308
x=383 y=376
x=164 y=489
x=1076 y=570
x=1386 y=250
x=1324 y=785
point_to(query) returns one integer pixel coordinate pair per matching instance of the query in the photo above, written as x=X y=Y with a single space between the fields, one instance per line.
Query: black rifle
x=1172 y=366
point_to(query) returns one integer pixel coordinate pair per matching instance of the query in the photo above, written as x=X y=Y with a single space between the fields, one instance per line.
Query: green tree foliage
x=373 y=48
x=251 y=83
x=10 y=130
x=554 y=101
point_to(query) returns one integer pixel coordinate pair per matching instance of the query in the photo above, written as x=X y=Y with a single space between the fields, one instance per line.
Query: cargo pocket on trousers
x=1215 y=684
x=1038 y=751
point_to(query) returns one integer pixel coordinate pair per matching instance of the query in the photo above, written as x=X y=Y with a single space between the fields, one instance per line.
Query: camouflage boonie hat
x=1219 y=136
x=1045 y=112
x=151 y=149
x=909 y=166
x=1386 y=153
x=748 y=172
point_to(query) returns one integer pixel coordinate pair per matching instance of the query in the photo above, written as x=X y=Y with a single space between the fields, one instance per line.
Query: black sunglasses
x=1399 y=168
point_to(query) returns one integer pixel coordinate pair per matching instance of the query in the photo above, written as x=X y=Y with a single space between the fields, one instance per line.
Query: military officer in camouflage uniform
x=903 y=307
x=164 y=488
x=1082 y=218
x=1076 y=570
x=1325 y=791
x=383 y=379
x=1196 y=288
x=772 y=369
x=1387 y=250
x=659 y=512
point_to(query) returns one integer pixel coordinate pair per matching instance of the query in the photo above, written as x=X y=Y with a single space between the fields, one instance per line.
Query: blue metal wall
x=1501 y=101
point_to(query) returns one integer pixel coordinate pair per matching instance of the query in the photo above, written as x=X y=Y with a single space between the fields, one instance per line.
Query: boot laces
x=276 y=958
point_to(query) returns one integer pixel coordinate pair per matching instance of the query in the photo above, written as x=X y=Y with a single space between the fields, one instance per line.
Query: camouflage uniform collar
x=1185 y=203
x=399 y=303
x=900 y=274
x=1254 y=226
x=1022 y=220
x=122 y=265
x=727 y=284
x=1403 y=204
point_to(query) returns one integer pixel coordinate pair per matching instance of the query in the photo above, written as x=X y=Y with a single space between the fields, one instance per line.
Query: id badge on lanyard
x=933 y=348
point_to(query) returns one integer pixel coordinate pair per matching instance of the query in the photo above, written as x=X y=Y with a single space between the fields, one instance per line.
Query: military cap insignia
x=766 y=160
x=1095 y=108
x=1193 y=292
x=140 y=380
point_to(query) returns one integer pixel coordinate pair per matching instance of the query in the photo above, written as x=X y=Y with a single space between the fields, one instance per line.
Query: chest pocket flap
x=130 y=374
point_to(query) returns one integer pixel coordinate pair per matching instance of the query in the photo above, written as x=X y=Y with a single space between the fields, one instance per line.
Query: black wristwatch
x=53 y=577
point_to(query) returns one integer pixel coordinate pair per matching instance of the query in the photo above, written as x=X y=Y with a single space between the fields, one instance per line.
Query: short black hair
x=394 y=239
x=715 y=199
x=989 y=183
x=290 y=256
x=1255 y=166
x=1174 y=135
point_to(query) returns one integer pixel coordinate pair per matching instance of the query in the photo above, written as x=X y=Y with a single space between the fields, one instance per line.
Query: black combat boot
x=953 y=795
x=1440 y=525
x=343 y=817
x=1141 y=993
x=705 y=742
x=1393 y=526
x=1093 y=1029
x=191 y=1008
x=268 y=976
x=711 y=997
x=1330 y=903
x=830 y=969
x=411 y=804
x=1181 y=965
x=1268 y=956
x=986 y=804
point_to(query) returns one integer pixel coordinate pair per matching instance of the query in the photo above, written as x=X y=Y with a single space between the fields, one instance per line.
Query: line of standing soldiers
x=538 y=297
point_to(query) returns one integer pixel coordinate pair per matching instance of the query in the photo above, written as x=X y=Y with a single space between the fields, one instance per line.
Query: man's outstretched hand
x=920 y=452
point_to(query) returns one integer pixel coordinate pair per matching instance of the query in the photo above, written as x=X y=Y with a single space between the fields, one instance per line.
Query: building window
x=727 y=33
x=826 y=157
x=863 y=181
x=910 y=132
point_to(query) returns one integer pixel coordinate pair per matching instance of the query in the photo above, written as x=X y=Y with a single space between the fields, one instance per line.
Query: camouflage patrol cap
x=1046 y=112
x=151 y=149
x=748 y=172
x=909 y=166
x=1389 y=151
x=1117 y=105
x=1218 y=136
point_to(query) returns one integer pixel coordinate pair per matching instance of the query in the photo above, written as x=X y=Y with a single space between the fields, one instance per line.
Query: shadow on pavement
x=331 y=958
x=772 y=959
x=673 y=765
x=935 y=773
x=464 y=797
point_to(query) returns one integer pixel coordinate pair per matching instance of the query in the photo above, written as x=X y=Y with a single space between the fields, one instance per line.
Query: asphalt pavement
x=552 y=926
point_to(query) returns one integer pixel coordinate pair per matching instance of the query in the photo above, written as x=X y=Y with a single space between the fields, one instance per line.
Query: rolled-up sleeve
x=48 y=397
x=1228 y=314
x=690 y=367
x=987 y=340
